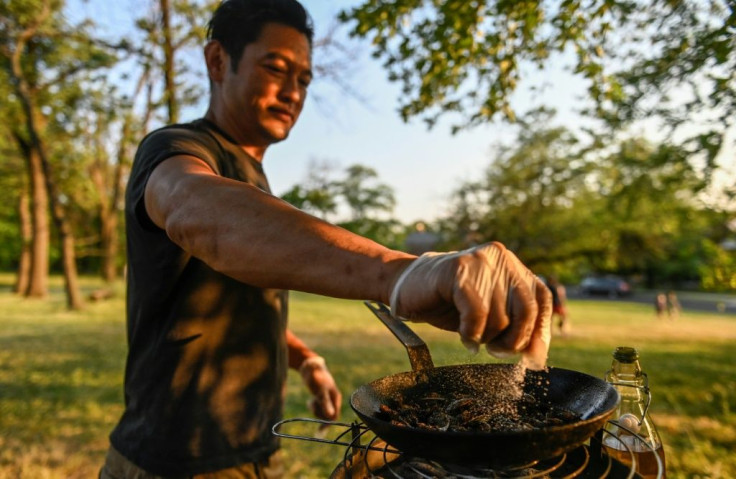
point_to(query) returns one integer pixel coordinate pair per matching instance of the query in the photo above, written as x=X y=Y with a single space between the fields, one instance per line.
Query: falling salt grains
x=534 y=357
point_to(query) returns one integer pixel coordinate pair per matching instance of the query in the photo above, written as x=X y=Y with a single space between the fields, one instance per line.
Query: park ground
x=61 y=376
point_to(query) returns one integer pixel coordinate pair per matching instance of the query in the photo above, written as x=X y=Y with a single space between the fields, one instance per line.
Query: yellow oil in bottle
x=646 y=465
x=631 y=432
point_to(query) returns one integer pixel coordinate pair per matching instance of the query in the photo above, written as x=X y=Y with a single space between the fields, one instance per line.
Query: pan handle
x=417 y=349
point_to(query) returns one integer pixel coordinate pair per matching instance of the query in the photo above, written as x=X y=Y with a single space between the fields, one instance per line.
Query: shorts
x=118 y=466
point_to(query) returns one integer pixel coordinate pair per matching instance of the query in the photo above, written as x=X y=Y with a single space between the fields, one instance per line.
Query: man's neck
x=257 y=152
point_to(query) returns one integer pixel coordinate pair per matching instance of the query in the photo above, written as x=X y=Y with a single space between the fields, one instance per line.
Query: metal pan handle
x=417 y=349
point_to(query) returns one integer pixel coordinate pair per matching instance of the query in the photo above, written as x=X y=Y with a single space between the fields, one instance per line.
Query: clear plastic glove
x=484 y=293
x=326 y=398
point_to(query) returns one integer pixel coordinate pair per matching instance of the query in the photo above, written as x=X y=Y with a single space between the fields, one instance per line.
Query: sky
x=422 y=166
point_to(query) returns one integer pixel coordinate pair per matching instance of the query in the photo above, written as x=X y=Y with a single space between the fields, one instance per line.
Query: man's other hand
x=326 y=398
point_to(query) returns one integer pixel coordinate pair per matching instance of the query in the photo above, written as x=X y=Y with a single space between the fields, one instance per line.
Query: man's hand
x=326 y=398
x=484 y=293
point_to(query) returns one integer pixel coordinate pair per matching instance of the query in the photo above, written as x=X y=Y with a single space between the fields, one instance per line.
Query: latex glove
x=484 y=293
x=326 y=398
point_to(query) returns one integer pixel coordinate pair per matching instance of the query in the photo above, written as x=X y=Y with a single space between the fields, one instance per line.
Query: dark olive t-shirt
x=207 y=359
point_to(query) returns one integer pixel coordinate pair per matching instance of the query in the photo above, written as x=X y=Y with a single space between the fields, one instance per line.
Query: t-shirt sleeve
x=157 y=147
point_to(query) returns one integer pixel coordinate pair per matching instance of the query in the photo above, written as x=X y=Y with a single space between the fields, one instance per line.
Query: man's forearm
x=257 y=238
x=298 y=351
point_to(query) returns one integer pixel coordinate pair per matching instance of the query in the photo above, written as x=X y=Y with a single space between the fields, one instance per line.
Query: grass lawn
x=61 y=377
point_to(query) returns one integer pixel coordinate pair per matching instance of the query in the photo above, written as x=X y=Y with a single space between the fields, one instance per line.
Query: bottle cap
x=625 y=354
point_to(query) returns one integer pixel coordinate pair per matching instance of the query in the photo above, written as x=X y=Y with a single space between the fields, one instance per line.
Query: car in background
x=610 y=285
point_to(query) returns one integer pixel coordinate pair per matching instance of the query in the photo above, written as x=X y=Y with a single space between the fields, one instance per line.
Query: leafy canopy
x=670 y=58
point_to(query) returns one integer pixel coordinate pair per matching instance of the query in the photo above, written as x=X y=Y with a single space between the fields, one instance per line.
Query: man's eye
x=276 y=68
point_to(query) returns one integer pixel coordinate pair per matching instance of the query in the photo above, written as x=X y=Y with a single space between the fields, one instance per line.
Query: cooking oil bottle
x=632 y=432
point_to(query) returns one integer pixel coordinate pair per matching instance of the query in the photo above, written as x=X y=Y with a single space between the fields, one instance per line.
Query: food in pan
x=471 y=414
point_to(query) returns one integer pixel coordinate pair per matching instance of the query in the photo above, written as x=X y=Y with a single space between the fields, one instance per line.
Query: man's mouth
x=282 y=114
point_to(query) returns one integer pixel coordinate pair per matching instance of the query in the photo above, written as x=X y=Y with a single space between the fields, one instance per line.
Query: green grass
x=61 y=377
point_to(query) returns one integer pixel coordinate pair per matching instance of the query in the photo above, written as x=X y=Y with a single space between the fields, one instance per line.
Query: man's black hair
x=237 y=23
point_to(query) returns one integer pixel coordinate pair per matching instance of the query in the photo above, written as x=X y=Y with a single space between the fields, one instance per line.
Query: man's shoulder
x=193 y=138
x=194 y=130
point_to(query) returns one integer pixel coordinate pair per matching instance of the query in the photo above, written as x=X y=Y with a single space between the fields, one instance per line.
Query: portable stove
x=368 y=457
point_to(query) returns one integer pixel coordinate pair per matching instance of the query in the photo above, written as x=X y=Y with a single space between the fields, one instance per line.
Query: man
x=211 y=254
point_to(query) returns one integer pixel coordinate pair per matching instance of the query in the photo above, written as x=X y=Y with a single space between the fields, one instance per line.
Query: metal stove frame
x=353 y=435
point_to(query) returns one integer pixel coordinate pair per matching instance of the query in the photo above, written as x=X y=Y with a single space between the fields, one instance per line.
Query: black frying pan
x=592 y=399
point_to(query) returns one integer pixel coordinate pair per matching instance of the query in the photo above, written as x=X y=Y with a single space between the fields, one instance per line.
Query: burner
x=374 y=463
x=368 y=457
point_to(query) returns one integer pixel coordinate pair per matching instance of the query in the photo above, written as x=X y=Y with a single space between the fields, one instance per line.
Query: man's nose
x=292 y=90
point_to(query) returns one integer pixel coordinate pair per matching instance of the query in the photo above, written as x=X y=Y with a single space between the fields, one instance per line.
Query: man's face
x=262 y=100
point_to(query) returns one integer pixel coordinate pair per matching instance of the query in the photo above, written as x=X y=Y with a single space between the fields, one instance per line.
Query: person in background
x=660 y=304
x=212 y=255
x=559 y=304
x=673 y=306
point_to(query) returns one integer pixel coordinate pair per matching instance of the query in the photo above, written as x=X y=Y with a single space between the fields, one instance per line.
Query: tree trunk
x=111 y=195
x=38 y=273
x=71 y=279
x=169 y=80
x=109 y=226
x=39 y=267
x=99 y=173
x=42 y=181
x=66 y=237
x=26 y=234
x=110 y=188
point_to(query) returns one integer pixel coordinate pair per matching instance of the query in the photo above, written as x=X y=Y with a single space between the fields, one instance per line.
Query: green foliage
x=317 y=200
x=317 y=194
x=363 y=195
x=151 y=47
x=55 y=69
x=718 y=271
x=369 y=201
x=465 y=59
x=390 y=233
x=533 y=197
x=567 y=210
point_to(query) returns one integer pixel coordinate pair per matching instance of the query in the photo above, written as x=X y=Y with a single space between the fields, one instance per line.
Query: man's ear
x=216 y=59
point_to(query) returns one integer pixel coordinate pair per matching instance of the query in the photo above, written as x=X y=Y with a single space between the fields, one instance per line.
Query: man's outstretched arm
x=485 y=293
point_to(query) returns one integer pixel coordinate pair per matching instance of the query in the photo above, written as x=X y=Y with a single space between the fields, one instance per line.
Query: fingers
x=486 y=294
x=481 y=321
x=521 y=316
x=535 y=355
x=497 y=301
x=326 y=404
x=326 y=398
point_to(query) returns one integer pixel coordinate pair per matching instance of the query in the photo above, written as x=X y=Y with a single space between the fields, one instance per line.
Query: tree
x=104 y=130
x=169 y=29
x=370 y=203
x=15 y=221
x=317 y=194
x=33 y=270
x=719 y=270
x=675 y=60
x=467 y=58
x=650 y=197
x=45 y=59
x=364 y=195
x=568 y=209
x=533 y=197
